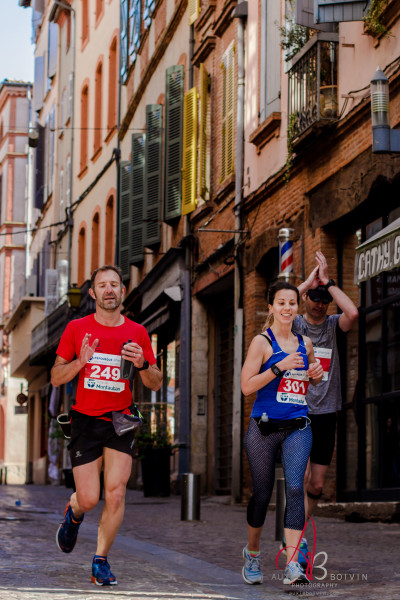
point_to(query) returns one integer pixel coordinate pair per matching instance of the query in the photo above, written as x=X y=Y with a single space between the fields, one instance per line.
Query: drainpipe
x=118 y=153
x=186 y=324
x=239 y=13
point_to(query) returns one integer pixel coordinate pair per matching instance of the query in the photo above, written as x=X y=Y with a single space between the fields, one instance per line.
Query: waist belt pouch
x=267 y=427
x=124 y=422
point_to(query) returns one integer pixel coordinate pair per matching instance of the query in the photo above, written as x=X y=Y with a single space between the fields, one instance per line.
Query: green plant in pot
x=154 y=452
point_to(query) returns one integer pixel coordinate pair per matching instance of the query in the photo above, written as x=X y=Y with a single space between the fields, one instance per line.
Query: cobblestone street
x=159 y=557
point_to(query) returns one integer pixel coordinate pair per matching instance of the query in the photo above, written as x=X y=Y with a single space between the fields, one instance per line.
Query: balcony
x=46 y=335
x=313 y=96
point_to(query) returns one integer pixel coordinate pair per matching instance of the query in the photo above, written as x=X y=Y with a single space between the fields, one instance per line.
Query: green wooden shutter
x=173 y=141
x=153 y=175
x=124 y=223
x=137 y=194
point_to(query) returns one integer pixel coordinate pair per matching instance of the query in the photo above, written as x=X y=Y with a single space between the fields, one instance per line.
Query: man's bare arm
x=64 y=371
x=152 y=378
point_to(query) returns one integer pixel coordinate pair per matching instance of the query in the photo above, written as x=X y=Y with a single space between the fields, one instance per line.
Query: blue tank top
x=284 y=397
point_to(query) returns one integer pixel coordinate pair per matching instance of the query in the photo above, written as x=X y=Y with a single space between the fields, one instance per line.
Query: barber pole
x=285 y=237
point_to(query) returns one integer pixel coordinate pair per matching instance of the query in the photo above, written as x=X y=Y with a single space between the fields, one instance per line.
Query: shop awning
x=379 y=253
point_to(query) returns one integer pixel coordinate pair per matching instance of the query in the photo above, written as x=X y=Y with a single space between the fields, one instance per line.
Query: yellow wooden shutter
x=194 y=10
x=203 y=150
x=228 y=97
x=189 y=151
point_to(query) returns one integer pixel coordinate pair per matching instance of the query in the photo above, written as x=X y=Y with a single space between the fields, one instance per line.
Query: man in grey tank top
x=324 y=399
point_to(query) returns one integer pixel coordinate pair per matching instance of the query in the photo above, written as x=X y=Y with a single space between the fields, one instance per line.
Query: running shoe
x=293 y=573
x=252 y=568
x=67 y=532
x=101 y=573
x=303 y=554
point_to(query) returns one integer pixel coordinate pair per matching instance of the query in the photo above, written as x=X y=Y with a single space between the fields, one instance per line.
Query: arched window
x=112 y=87
x=98 y=107
x=85 y=21
x=99 y=8
x=84 y=126
x=109 y=232
x=81 y=255
x=95 y=241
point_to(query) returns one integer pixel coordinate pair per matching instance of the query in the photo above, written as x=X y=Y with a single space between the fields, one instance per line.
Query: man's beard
x=106 y=304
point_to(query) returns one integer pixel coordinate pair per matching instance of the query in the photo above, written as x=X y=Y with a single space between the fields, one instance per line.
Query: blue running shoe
x=251 y=571
x=67 y=532
x=293 y=573
x=303 y=551
x=101 y=574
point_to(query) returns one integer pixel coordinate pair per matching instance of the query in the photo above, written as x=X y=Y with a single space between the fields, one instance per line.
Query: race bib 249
x=102 y=373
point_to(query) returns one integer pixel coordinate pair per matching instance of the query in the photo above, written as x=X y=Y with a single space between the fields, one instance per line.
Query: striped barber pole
x=285 y=237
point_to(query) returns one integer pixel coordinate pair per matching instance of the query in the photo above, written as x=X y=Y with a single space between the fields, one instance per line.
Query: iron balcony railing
x=313 y=98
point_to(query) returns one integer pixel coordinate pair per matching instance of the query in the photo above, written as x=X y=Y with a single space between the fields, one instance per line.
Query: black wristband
x=145 y=366
x=330 y=282
x=276 y=370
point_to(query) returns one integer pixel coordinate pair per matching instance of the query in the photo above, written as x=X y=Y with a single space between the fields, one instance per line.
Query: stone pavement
x=156 y=556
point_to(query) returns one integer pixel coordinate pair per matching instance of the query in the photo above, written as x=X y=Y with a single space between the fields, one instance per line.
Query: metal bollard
x=190 y=503
x=280 y=508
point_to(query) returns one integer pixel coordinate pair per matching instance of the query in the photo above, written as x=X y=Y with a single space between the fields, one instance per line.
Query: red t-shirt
x=100 y=388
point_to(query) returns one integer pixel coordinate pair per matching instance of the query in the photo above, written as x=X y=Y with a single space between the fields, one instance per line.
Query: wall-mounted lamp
x=74 y=296
x=384 y=139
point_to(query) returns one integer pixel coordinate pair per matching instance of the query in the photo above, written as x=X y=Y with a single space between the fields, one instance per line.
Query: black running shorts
x=324 y=434
x=89 y=435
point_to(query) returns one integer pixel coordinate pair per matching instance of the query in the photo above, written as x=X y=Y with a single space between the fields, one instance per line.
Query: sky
x=16 y=50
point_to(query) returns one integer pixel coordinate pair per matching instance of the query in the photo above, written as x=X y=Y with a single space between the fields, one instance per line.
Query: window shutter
x=52 y=50
x=39 y=169
x=134 y=28
x=137 y=194
x=189 y=151
x=173 y=141
x=51 y=291
x=149 y=7
x=153 y=175
x=228 y=96
x=123 y=37
x=203 y=149
x=124 y=222
x=194 y=10
x=38 y=86
x=336 y=11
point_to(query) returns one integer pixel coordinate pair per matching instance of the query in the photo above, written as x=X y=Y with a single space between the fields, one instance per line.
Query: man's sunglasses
x=323 y=300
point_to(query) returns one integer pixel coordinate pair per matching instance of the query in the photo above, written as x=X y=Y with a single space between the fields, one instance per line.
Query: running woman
x=279 y=366
x=92 y=347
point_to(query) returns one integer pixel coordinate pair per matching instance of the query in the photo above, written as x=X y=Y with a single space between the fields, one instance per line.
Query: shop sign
x=381 y=253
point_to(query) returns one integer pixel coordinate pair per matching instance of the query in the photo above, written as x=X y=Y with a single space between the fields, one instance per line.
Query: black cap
x=319 y=293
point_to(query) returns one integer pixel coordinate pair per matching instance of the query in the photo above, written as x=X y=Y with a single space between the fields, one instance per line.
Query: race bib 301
x=293 y=387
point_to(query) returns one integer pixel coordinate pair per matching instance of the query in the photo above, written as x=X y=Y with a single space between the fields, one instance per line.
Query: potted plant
x=154 y=451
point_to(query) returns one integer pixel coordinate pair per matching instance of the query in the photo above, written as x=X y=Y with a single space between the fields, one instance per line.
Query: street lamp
x=384 y=139
x=74 y=296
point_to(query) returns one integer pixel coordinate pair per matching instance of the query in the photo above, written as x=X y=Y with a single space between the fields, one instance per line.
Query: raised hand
x=322 y=268
x=134 y=353
x=87 y=349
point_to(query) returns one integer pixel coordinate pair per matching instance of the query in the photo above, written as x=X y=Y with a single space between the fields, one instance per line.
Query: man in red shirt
x=92 y=348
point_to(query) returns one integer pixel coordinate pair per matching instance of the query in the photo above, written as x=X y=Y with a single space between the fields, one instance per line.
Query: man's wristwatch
x=145 y=366
x=330 y=282
x=276 y=370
